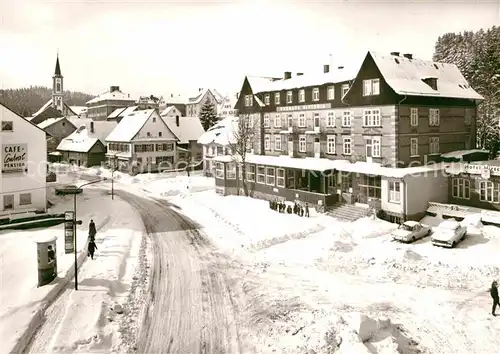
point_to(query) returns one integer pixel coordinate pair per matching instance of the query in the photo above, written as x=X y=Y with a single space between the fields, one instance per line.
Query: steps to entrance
x=348 y=212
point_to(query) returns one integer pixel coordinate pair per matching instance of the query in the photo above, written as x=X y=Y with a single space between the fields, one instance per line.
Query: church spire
x=58 y=67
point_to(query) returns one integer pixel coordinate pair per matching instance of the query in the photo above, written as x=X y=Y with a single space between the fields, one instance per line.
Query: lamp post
x=113 y=177
x=74 y=190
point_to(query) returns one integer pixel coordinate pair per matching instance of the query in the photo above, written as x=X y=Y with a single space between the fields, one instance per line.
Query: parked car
x=448 y=234
x=410 y=231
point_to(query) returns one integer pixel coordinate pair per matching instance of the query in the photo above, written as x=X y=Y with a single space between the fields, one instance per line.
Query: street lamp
x=74 y=190
x=113 y=167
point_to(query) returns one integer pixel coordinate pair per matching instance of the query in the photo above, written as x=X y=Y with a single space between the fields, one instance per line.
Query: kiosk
x=47 y=260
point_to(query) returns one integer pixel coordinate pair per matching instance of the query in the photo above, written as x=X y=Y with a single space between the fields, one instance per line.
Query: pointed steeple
x=58 y=67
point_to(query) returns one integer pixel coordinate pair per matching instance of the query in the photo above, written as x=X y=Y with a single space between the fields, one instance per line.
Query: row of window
x=330 y=119
x=120 y=147
x=158 y=160
x=8 y=200
x=221 y=150
x=488 y=191
x=166 y=147
x=434 y=117
x=371 y=87
x=433 y=146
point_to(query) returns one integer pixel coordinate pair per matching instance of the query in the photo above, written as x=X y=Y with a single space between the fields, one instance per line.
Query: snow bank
x=22 y=306
x=93 y=313
x=236 y=222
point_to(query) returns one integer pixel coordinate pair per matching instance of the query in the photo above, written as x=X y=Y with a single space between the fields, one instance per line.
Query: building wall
x=193 y=109
x=454 y=131
x=474 y=199
x=196 y=150
x=154 y=126
x=102 y=109
x=422 y=189
x=60 y=129
x=34 y=181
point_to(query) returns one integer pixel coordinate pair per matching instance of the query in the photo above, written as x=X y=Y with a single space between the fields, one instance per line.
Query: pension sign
x=14 y=158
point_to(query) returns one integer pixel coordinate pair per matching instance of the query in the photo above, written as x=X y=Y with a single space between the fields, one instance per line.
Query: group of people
x=92 y=247
x=282 y=207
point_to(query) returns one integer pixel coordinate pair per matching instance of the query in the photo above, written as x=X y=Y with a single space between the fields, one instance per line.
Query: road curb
x=39 y=316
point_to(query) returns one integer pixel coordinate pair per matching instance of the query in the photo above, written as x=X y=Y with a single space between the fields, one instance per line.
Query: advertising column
x=47 y=260
x=69 y=232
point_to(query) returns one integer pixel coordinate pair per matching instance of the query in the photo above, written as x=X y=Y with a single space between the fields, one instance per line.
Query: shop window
x=261 y=174
x=231 y=170
x=250 y=170
x=219 y=170
x=8 y=201
x=460 y=188
x=488 y=192
x=270 y=176
x=280 y=177
x=290 y=179
x=24 y=198
x=395 y=192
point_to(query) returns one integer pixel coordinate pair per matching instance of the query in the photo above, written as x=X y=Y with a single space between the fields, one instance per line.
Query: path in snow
x=191 y=308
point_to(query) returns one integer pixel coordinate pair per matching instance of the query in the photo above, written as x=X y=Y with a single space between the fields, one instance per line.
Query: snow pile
x=231 y=221
x=24 y=302
x=87 y=320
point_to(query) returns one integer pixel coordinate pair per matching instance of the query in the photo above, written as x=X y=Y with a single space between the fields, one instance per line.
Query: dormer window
x=267 y=100
x=277 y=98
x=316 y=94
x=302 y=95
x=345 y=88
x=289 y=97
x=431 y=81
x=371 y=87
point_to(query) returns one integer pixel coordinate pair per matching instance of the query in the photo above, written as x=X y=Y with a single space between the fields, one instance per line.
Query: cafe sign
x=484 y=170
x=14 y=158
x=307 y=107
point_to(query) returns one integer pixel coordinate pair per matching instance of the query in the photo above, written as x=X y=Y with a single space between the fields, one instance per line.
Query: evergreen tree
x=477 y=55
x=208 y=115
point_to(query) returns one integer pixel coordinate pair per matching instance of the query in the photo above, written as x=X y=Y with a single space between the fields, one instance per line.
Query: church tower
x=57 y=87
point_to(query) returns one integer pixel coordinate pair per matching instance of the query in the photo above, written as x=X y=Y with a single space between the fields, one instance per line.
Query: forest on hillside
x=26 y=101
x=477 y=55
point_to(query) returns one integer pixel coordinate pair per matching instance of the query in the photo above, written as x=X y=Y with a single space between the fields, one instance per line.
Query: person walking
x=92 y=249
x=92 y=230
x=494 y=296
x=307 y=210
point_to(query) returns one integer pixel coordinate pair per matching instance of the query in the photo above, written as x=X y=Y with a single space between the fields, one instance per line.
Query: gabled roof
x=189 y=129
x=28 y=120
x=175 y=98
x=47 y=105
x=259 y=83
x=199 y=97
x=129 y=126
x=116 y=113
x=102 y=128
x=51 y=121
x=222 y=133
x=405 y=76
x=167 y=110
x=127 y=111
x=78 y=141
x=78 y=109
x=115 y=96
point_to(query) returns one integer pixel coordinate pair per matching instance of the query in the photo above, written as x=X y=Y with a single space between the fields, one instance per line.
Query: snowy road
x=191 y=308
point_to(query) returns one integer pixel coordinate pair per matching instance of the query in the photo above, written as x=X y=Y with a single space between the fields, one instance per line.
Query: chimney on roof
x=287 y=75
x=408 y=56
x=396 y=54
x=200 y=89
x=431 y=81
x=340 y=67
x=91 y=127
x=326 y=68
x=300 y=74
x=114 y=88
x=171 y=95
x=177 y=120
x=237 y=95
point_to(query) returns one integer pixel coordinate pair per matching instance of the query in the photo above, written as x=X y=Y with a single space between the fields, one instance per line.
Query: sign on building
x=484 y=170
x=69 y=232
x=14 y=158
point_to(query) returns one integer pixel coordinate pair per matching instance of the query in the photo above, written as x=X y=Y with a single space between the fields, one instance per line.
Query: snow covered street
x=228 y=274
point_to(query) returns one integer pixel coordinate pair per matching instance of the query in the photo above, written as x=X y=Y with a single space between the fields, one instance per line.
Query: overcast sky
x=162 y=47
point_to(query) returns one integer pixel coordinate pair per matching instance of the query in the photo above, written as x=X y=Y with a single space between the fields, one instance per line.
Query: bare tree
x=241 y=140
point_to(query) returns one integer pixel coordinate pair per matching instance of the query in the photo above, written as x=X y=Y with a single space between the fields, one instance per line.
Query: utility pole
x=113 y=167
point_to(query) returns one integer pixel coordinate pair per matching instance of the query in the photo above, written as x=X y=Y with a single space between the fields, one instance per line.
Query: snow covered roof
x=221 y=133
x=405 y=76
x=50 y=121
x=285 y=161
x=391 y=172
x=459 y=153
x=129 y=126
x=148 y=100
x=127 y=111
x=116 y=113
x=43 y=108
x=78 y=109
x=189 y=129
x=259 y=101
x=102 y=128
x=197 y=99
x=167 y=110
x=78 y=141
x=259 y=83
x=175 y=98
x=115 y=96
